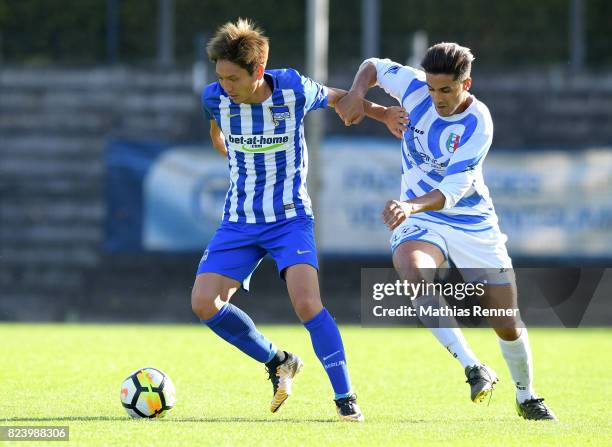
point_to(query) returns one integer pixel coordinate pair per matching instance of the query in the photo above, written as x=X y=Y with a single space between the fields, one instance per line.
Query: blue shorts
x=236 y=249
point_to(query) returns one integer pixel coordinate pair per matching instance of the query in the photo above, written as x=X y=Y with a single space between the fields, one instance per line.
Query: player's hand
x=396 y=120
x=350 y=109
x=395 y=213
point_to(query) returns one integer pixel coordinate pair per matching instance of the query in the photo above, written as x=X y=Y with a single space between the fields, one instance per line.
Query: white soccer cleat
x=282 y=378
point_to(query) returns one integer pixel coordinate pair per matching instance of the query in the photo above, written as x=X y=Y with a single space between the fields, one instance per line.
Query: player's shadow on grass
x=223 y=420
x=65 y=419
x=187 y=419
x=249 y=420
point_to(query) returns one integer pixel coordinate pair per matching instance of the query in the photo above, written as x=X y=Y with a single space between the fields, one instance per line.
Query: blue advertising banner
x=184 y=193
x=170 y=198
x=162 y=197
x=127 y=165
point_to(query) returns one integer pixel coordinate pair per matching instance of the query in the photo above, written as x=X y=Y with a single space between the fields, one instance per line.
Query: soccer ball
x=147 y=393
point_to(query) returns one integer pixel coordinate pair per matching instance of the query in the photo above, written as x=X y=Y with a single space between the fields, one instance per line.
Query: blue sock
x=237 y=328
x=327 y=344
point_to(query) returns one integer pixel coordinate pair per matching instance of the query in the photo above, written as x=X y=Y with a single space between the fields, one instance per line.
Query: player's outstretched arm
x=351 y=107
x=217 y=138
x=395 y=118
x=334 y=96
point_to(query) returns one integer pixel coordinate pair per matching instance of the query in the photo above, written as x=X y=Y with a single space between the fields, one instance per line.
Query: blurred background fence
x=506 y=34
x=98 y=96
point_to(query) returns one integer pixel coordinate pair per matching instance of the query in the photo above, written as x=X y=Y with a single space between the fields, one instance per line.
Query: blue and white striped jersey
x=444 y=153
x=268 y=159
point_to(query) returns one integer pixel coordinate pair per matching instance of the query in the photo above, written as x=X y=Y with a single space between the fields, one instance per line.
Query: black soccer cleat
x=482 y=380
x=282 y=376
x=535 y=410
x=348 y=410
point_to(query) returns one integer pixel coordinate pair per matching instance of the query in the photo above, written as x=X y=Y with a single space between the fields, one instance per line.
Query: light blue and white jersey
x=444 y=153
x=268 y=159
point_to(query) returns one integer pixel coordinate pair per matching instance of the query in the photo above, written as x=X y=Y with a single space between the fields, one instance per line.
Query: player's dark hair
x=241 y=43
x=448 y=58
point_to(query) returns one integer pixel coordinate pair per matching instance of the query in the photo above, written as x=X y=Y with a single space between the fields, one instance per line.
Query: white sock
x=518 y=357
x=446 y=330
x=453 y=340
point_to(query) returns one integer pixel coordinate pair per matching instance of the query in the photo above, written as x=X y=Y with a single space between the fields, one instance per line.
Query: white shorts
x=484 y=249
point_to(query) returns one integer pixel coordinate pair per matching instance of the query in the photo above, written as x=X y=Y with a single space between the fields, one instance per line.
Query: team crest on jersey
x=452 y=143
x=279 y=113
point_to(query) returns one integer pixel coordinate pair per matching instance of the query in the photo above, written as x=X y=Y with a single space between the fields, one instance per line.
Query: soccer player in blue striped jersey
x=445 y=211
x=257 y=121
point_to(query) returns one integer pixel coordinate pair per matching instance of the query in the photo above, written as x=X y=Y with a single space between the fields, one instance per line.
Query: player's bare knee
x=411 y=273
x=307 y=306
x=408 y=268
x=210 y=293
x=508 y=333
x=199 y=304
x=204 y=303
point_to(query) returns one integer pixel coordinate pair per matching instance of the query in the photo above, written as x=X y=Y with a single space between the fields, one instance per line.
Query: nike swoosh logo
x=232 y=115
x=301 y=252
x=331 y=355
x=262 y=149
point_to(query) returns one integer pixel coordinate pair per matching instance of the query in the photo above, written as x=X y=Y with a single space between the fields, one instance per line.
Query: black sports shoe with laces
x=348 y=410
x=482 y=380
x=282 y=376
x=535 y=410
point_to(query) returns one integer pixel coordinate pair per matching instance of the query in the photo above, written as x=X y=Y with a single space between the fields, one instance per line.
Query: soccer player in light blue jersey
x=257 y=121
x=445 y=211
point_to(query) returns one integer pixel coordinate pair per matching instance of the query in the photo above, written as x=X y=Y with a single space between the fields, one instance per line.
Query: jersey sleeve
x=392 y=77
x=465 y=165
x=316 y=94
x=207 y=113
x=205 y=108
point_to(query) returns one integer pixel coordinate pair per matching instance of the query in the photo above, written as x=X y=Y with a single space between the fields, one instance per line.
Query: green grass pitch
x=411 y=391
